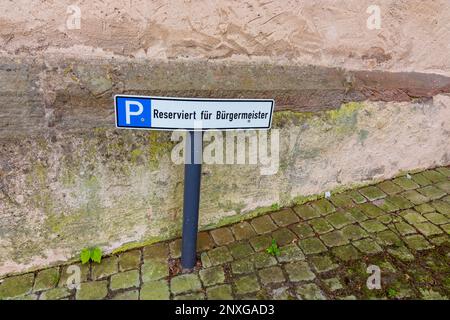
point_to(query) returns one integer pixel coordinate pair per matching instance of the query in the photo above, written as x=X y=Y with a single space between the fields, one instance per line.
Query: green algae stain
x=362 y=135
x=135 y=154
x=159 y=145
x=345 y=119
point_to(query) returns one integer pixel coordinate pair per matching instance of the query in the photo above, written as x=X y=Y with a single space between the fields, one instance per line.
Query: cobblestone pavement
x=401 y=225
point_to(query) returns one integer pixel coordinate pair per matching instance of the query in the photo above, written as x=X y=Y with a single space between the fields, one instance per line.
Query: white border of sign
x=192 y=99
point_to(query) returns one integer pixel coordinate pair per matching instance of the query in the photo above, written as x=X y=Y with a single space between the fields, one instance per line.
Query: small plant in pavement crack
x=273 y=249
x=93 y=254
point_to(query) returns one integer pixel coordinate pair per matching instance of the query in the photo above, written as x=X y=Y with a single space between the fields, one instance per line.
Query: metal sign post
x=191 y=200
x=160 y=113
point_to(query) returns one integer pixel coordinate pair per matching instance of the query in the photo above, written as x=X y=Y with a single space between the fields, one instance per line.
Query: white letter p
x=129 y=113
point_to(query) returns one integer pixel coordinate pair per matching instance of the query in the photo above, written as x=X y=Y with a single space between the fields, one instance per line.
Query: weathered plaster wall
x=414 y=34
x=68 y=179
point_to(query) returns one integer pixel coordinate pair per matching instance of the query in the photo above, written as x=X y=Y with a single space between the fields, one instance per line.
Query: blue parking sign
x=133 y=112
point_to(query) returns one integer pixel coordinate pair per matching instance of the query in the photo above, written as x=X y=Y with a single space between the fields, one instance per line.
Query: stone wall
x=353 y=106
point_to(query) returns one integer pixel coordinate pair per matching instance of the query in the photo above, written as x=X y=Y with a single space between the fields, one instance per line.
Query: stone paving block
x=31 y=296
x=404 y=229
x=155 y=290
x=401 y=202
x=246 y=284
x=243 y=230
x=428 y=229
x=322 y=263
x=204 y=241
x=130 y=260
x=430 y=294
x=340 y=219
x=321 y=225
x=333 y=284
x=432 y=192
x=261 y=243
x=444 y=186
x=242 y=266
x=388 y=238
x=420 y=179
x=372 y=226
x=323 y=206
x=302 y=230
x=312 y=246
x=424 y=208
x=310 y=291
x=401 y=253
x=386 y=266
x=342 y=200
x=160 y=251
x=127 y=295
x=107 y=267
x=439 y=240
x=346 y=253
x=284 y=217
x=385 y=205
x=55 y=294
x=124 y=280
x=385 y=219
x=281 y=293
x=283 y=236
x=263 y=260
x=240 y=250
x=434 y=176
x=212 y=276
x=354 y=232
x=412 y=217
x=219 y=255
x=154 y=270
x=357 y=214
x=263 y=224
x=446 y=228
x=271 y=275
x=370 y=210
x=436 y=218
x=357 y=197
x=191 y=296
x=446 y=199
x=16 y=285
x=334 y=239
x=444 y=170
x=441 y=206
x=222 y=292
x=290 y=253
x=415 y=197
x=306 y=212
x=94 y=290
x=222 y=236
x=405 y=183
x=204 y=258
x=175 y=248
x=299 y=271
x=46 y=279
x=367 y=246
x=185 y=283
x=389 y=187
x=418 y=242
x=69 y=270
x=372 y=193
